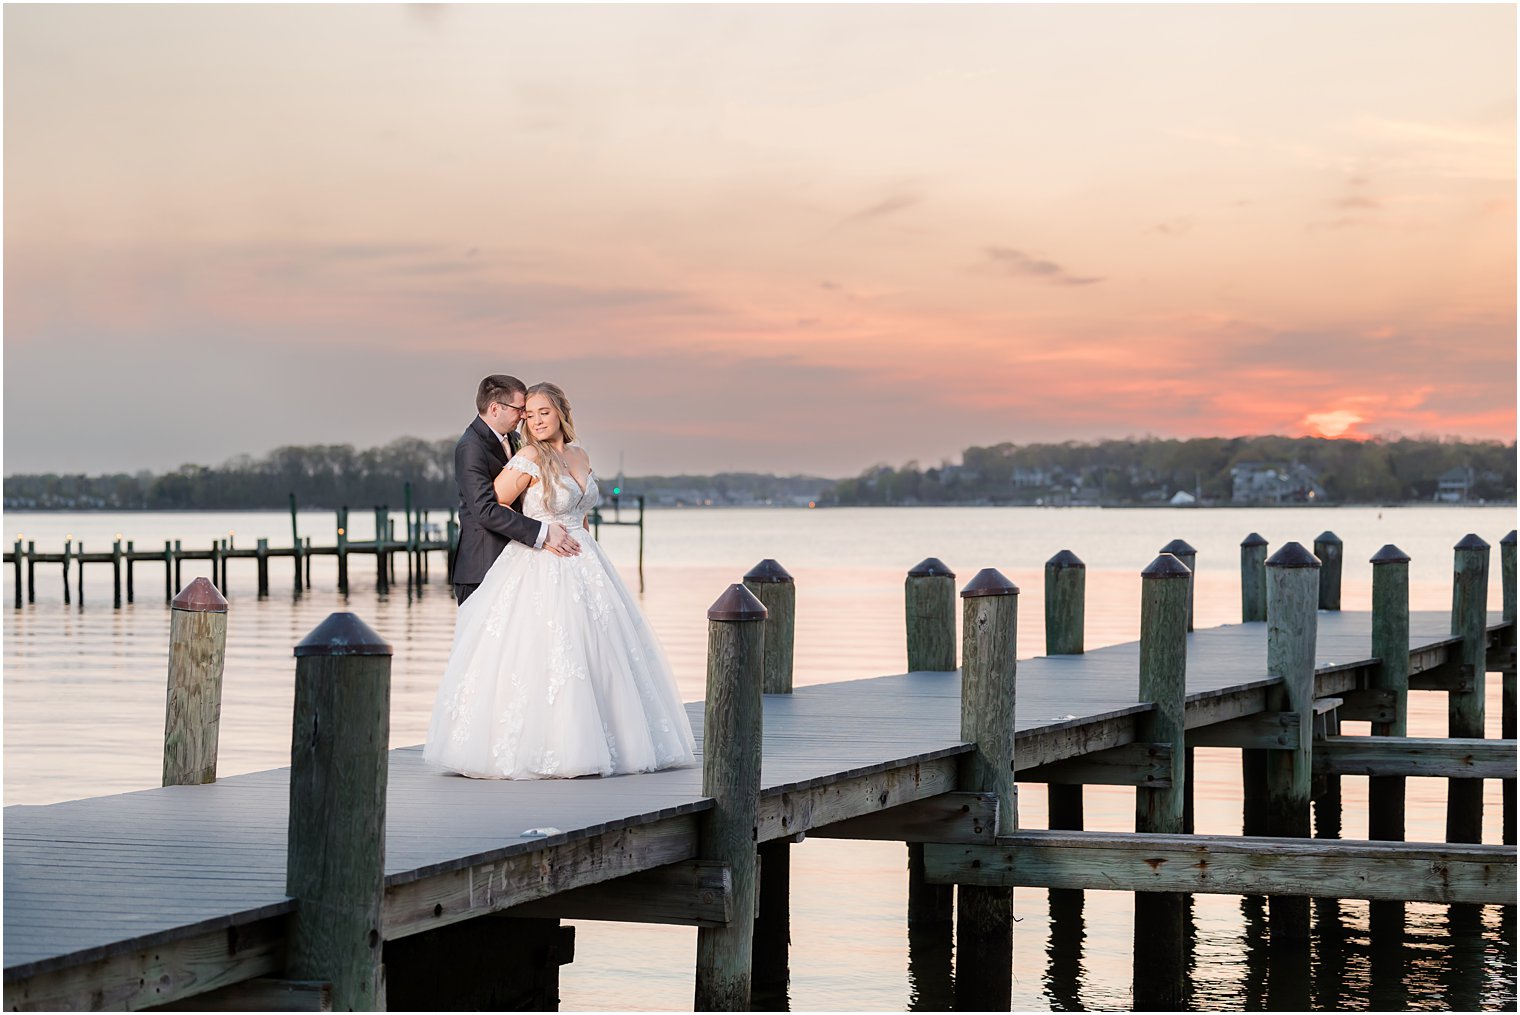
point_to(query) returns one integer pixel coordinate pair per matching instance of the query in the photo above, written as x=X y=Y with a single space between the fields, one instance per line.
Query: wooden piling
x=262 y=552
x=343 y=550
x=177 y=563
x=218 y=570
x=18 y=572
x=1469 y=621
x=307 y=557
x=168 y=571
x=79 y=572
x=731 y=776
x=1507 y=718
x=984 y=915
x=67 y=549
x=1160 y=935
x=929 y=609
x=382 y=570
x=1390 y=645
x=193 y=708
x=1253 y=579
x=31 y=571
x=131 y=559
x=1065 y=623
x=776 y=590
x=1182 y=551
x=1292 y=627
x=335 y=857
x=1328 y=548
x=116 y=573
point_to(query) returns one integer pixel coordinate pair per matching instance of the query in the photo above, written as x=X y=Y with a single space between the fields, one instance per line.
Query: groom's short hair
x=497 y=388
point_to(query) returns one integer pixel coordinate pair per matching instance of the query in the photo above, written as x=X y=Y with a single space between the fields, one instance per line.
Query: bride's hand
x=559 y=542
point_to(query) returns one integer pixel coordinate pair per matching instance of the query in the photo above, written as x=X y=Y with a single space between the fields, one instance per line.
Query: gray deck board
x=86 y=876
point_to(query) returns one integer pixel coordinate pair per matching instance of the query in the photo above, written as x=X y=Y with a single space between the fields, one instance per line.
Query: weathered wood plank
x=1273 y=731
x=157 y=975
x=261 y=994
x=950 y=817
x=787 y=813
x=1451 y=758
x=499 y=884
x=1246 y=865
x=1148 y=765
x=695 y=893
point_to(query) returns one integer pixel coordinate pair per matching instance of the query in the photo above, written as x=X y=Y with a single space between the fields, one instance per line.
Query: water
x=84 y=694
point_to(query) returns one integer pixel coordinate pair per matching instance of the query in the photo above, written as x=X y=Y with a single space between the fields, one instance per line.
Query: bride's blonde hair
x=550 y=462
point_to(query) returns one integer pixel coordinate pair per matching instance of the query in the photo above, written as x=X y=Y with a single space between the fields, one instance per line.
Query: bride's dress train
x=554 y=672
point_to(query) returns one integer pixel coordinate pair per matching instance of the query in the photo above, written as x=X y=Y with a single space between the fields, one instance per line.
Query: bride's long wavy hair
x=550 y=462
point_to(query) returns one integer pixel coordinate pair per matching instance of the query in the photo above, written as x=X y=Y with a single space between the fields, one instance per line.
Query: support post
x=168 y=571
x=774 y=587
x=18 y=572
x=193 y=709
x=218 y=564
x=1507 y=580
x=335 y=857
x=1065 y=623
x=1292 y=627
x=262 y=550
x=1253 y=579
x=116 y=573
x=343 y=550
x=731 y=776
x=984 y=916
x=1390 y=645
x=1182 y=551
x=1161 y=917
x=31 y=571
x=1469 y=621
x=68 y=546
x=131 y=550
x=1328 y=548
x=79 y=552
x=178 y=562
x=382 y=566
x=929 y=609
x=295 y=544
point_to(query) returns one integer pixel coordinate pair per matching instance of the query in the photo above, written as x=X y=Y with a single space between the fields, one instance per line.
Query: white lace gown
x=554 y=672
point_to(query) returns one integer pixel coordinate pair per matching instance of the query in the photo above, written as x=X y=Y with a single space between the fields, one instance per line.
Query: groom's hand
x=558 y=541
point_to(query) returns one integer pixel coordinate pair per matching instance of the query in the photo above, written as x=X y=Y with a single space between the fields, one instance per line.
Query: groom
x=484 y=525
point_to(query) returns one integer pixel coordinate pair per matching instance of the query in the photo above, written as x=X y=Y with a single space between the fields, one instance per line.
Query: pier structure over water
x=361 y=877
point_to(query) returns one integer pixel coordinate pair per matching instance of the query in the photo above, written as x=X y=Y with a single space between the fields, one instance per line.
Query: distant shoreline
x=804 y=507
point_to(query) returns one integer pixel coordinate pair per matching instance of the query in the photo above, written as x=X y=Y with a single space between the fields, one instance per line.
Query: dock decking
x=147 y=897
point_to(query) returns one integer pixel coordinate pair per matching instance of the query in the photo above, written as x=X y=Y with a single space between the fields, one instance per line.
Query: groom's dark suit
x=484 y=525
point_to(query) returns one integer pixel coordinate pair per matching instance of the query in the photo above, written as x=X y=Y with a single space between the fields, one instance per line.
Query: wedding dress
x=554 y=672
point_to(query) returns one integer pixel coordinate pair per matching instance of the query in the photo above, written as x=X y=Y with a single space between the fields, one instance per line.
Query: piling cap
x=738 y=603
x=1254 y=539
x=1508 y=540
x=1471 y=541
x=343 y=634
x=930 y=567
x=1293 y=555
x=1177 y=548
x=1166 y=566
x=1390 y=554
x=768 y=572
x=989 y=581
x=1064 y=559
x=1327 y=537
x=200 y=596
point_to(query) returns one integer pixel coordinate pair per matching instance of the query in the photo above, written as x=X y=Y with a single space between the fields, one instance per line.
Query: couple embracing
x=554 y=672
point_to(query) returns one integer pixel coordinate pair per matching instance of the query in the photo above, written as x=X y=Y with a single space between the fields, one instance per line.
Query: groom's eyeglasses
x=508 y=405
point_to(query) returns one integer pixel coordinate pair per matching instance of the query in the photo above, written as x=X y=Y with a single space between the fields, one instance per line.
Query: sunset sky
x=788 y=239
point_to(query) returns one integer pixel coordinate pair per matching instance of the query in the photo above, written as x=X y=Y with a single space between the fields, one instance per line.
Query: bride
x=554 y=673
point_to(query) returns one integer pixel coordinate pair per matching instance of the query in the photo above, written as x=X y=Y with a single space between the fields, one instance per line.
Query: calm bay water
x=84 y=692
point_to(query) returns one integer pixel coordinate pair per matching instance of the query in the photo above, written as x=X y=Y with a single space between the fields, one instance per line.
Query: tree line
x=1149 y=470
x=1111 y=472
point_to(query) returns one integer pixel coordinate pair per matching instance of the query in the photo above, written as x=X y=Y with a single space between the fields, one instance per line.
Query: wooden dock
x=180 y=893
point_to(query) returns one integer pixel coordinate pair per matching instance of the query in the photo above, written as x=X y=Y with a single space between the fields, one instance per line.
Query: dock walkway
x=195 y=875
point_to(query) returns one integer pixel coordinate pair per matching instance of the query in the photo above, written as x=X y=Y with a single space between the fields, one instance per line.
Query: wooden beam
x=260 y=994
x=1330 y=868
x=693 y=893
x=785 y=813
x=1449 y=758
x=1272 y=731
x=159 y=974
x=494 y=885
x=1370 y=704
x=949 y=817
x=1148 y=765
x=1033 y=748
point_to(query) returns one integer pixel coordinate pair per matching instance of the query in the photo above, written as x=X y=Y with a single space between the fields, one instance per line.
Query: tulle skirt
x=555 y=673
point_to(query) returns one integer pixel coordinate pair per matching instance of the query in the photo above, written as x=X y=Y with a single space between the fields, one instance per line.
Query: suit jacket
x=484 y=525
